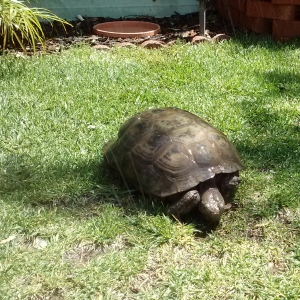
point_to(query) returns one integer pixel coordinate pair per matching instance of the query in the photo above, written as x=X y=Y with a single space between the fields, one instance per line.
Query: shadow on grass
x=100 y=185
x=284 y=83
x=248 y=40
x=272 y=142
x=65 y=184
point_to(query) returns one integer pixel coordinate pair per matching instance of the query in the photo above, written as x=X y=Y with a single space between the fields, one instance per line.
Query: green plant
x=19 y=24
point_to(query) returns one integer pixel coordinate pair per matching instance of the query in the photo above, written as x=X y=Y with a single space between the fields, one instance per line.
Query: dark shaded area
x=17 y=174
x=244 y=38
x=272 y=143
x=169 y=25
x=272 y=136
x=284 y=83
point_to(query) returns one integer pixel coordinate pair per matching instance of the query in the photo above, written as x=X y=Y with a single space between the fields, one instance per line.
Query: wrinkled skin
x=208 y=198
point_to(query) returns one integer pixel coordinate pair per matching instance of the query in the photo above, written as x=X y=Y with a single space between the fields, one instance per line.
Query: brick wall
x=280 y=18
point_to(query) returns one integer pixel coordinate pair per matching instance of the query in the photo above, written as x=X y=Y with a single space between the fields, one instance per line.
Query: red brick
x=281 y=38
x=286 y=28
x=227 y=12
x=257 y=25
x=222 y=8
x=239 y=5
x=261 y=9
x=292 y=2
x=235 y=15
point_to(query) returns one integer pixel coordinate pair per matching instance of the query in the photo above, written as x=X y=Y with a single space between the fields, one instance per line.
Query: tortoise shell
x=168 y=150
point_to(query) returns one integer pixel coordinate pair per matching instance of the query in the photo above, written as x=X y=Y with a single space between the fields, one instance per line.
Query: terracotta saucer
x=126 y=29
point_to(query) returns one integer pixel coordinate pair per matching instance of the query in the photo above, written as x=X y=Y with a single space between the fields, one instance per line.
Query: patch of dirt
x=184 y=28
x=255 y=233
x=55 y=294
x=277 y=266
x=285 y=216
x=83 y=253
x=157 y=267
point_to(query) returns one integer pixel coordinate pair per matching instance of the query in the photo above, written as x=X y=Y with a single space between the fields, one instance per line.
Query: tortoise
x=174 y=154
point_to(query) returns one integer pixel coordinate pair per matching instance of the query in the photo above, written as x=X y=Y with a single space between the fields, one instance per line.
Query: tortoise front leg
x=185 y=204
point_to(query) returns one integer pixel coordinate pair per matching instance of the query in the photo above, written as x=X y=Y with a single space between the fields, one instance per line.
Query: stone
x=199 y=39
x=152 y=44
x=101 y=47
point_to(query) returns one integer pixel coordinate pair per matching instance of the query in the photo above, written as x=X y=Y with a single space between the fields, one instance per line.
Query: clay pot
x=126 y=29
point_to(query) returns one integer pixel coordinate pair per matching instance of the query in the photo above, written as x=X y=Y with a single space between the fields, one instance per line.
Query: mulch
x=184 y=28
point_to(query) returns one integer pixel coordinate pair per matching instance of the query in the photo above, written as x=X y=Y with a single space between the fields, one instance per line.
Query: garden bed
x=177 y=27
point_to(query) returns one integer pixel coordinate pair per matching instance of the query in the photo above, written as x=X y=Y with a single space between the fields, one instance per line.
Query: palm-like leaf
x=20 y=24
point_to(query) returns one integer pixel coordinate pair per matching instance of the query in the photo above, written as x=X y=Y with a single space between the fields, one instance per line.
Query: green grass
x=69 y=230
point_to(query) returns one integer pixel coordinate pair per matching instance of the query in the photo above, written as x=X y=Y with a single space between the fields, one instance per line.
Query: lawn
x=70 y=230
